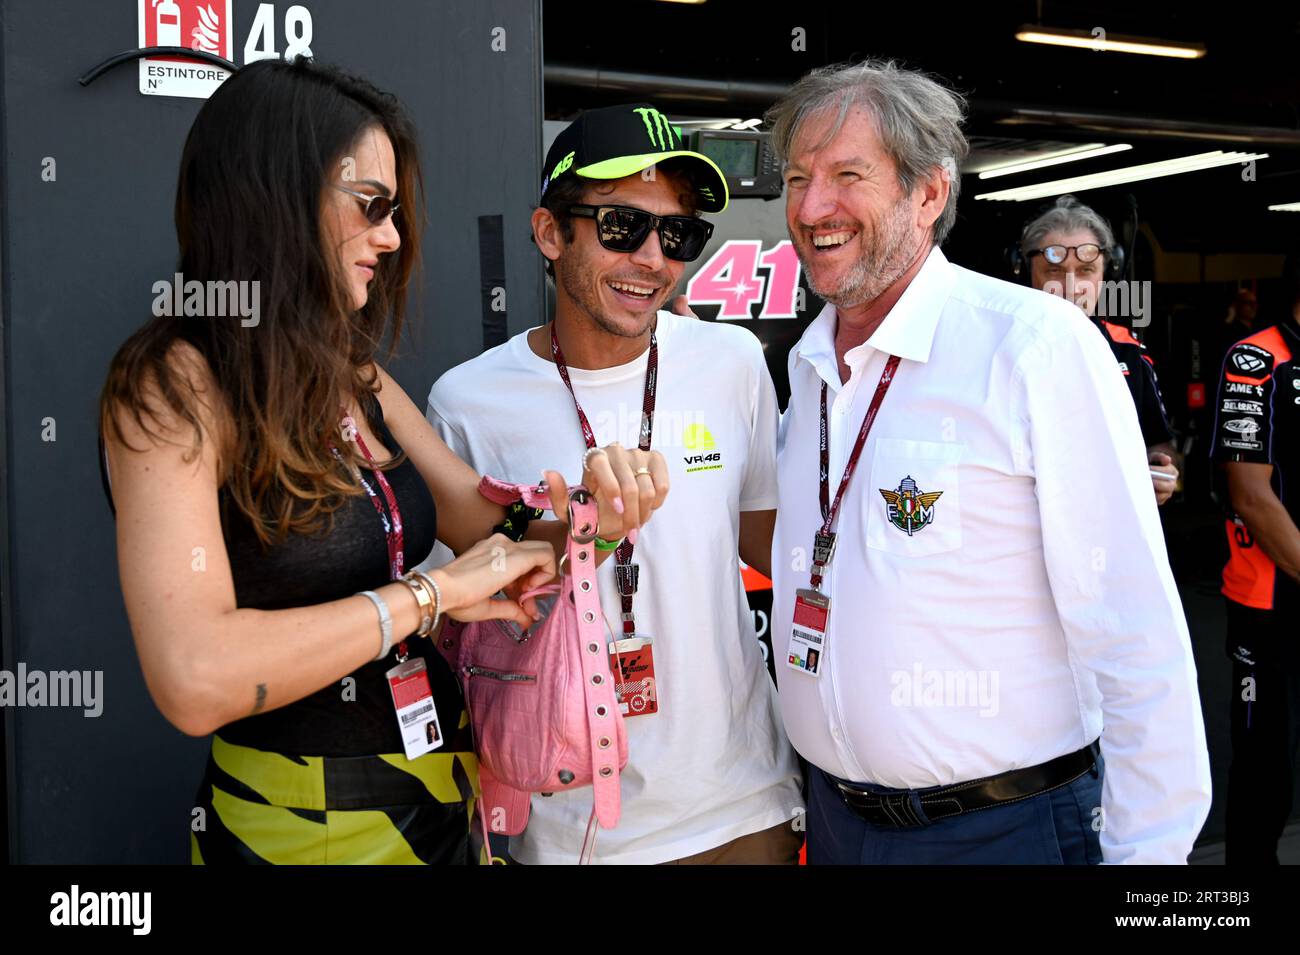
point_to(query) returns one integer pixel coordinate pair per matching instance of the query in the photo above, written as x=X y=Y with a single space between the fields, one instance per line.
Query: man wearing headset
x=1065 y=249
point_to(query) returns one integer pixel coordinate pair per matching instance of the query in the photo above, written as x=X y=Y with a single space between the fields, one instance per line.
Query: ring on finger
x=586 y=458
x=640 y=471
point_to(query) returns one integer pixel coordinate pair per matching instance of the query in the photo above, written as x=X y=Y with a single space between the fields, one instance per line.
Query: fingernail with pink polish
x=631 y=536
x=618 y=505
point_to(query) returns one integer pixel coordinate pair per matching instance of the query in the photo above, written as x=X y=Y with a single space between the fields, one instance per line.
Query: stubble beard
x=885 y=256
x=586 y=296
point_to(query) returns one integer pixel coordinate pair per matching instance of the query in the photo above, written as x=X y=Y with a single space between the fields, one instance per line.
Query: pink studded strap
x=602 y=706
x=604 y=738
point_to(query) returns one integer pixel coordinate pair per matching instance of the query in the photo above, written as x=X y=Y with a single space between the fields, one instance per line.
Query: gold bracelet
x=437 y=596
x=426 y=604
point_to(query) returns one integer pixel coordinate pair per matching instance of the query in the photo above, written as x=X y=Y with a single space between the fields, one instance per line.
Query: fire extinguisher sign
x=193 y=24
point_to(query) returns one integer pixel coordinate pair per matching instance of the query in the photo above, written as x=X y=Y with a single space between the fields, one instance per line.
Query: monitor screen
x=735 y=157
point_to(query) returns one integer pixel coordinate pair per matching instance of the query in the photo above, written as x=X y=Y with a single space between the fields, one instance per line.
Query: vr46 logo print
x=909 y=510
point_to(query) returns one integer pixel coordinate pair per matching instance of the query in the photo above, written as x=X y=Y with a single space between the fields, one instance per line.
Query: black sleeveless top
x=302 y=571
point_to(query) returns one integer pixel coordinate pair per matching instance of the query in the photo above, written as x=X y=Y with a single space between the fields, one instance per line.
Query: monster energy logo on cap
x=657 y=127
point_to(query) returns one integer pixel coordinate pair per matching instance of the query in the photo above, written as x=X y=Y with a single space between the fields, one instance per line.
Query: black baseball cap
x=617 y=141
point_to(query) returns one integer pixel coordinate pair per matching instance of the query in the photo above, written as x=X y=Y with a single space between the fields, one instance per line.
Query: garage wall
x=79 y=253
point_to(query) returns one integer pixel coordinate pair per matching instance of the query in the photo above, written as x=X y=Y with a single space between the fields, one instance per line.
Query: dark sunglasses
x=1056 y=254
x=377 y=208
x=623 y=229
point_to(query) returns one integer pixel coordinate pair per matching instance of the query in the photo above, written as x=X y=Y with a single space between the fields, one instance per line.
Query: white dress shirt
x=1035 y=609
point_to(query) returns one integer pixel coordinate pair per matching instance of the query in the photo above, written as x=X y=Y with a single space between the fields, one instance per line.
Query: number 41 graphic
x=730 y=278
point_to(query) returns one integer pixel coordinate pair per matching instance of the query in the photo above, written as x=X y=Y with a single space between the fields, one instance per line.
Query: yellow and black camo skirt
x=264 y=808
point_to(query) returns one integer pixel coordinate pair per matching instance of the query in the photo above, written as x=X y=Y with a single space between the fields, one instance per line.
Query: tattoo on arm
x=261 y=698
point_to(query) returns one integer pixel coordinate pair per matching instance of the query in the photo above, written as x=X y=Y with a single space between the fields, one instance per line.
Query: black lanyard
x=624 y=570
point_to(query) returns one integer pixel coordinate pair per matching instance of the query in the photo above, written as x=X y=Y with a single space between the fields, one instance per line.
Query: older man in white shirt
x=967 y=605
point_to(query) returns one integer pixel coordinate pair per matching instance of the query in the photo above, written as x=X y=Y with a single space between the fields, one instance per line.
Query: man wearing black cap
x=710 y=775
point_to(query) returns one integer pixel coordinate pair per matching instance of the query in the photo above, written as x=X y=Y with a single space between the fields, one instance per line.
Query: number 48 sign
x=206 y=25
x=731 y=278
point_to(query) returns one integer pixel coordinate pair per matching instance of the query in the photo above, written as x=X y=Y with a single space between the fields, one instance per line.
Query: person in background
x=1066 y=248
x=1239 y=323
x=1240 y=320
x=1257 y=445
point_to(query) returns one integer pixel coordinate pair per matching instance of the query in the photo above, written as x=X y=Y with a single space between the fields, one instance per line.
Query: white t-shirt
x=714 y=763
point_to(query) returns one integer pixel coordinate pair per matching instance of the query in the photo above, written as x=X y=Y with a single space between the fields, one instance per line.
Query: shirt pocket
x=914 y=501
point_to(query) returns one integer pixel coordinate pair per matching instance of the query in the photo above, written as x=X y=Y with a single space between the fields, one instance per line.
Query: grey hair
x=1067 y=214
x=917 y=119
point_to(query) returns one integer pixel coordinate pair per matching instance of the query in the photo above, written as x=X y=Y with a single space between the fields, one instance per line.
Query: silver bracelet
x=437 y=597
x=385 y=622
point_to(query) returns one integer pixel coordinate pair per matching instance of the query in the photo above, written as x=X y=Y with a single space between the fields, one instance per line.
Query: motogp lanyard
x=625 y=571
x=392 y=527
x=824 y=542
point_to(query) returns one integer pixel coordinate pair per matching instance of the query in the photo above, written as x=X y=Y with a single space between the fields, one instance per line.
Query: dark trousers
x=1059 y=827
x=1265 y=720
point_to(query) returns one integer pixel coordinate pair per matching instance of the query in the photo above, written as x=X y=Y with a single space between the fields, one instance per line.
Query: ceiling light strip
x=1081 y=40
x=1115 y=177
x=1091 y=151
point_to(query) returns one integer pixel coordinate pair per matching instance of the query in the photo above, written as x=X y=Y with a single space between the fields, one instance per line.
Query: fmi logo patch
x=909 y=509
x=699 y=439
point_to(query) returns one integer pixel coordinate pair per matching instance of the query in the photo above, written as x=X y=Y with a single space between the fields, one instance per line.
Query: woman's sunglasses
x=377 y=208
x=1056 y=254
x=623 y=229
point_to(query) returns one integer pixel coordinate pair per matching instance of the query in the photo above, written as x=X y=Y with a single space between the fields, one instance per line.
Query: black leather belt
x=894 y=808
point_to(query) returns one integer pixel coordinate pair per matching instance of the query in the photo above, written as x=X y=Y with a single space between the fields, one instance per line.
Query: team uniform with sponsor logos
x=1140 y=376
x=999 y=590
x=1257 y=421
x=712 y=765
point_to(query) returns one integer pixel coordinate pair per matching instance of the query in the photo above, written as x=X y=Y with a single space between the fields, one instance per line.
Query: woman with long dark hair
x=274 y=486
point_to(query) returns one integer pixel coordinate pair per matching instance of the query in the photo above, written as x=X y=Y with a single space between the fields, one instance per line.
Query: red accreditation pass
x=417 y=719
x=812 y=611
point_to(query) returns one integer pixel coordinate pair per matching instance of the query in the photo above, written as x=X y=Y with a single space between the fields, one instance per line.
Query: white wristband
x=385 y=622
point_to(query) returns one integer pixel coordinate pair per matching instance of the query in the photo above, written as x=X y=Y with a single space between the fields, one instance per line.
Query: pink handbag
x=542 y=705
